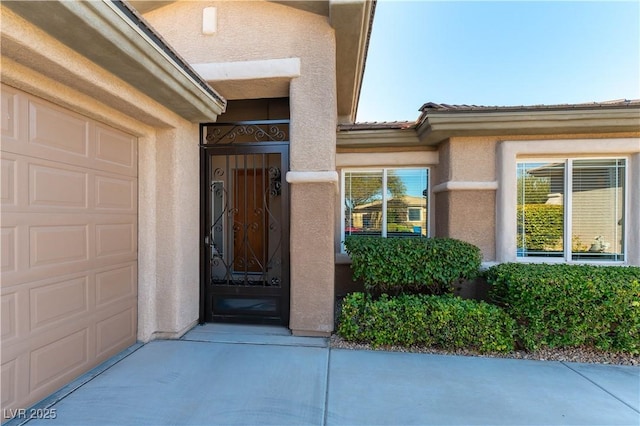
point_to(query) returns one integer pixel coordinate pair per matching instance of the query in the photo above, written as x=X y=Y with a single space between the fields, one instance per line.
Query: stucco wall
x=177 y=228
x=312 y=290
x=467 y=204
x=471 y=217
x=260 y=31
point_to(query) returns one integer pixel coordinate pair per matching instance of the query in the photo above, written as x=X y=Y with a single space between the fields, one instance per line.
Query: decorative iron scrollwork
x=245 y=238
x=228 y=134
x=275 y=181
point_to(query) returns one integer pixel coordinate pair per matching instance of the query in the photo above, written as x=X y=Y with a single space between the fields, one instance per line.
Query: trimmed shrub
x=411 y=265
x=446 y=322
x=570 y=305
x=543 y=226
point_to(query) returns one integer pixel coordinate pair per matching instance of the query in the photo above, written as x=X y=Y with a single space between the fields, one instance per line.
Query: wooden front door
x=250 y=220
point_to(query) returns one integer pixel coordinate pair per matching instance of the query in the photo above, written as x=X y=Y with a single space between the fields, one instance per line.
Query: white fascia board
x=249 y=70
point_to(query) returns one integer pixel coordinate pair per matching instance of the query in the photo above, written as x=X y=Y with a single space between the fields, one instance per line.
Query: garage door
x=69 y=245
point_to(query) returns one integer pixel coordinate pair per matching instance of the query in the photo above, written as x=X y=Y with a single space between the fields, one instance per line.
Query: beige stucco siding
x=471 y=197
x=458 y=153
x=472 y=160
x=468 y=216
x=253 y=33
x=258 y=30
x=311 y=301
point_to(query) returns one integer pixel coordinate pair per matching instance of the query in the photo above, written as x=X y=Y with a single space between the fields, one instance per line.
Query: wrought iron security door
x=245 y=222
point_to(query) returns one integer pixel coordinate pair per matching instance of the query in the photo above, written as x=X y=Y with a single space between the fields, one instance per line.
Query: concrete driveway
x=248 y=375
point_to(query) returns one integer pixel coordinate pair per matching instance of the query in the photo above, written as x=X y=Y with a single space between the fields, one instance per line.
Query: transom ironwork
x=245 y=132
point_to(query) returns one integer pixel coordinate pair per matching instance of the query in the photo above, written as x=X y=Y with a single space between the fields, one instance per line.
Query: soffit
x=144 y=6
x=115 y=38
x=319 y=7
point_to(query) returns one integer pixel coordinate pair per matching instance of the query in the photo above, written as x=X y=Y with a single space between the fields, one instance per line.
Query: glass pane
x=407 y=202
x=597 y=210
x=363 y=203
x=540 y=209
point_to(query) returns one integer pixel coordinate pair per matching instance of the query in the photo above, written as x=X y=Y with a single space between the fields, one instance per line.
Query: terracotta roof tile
x=617 y=103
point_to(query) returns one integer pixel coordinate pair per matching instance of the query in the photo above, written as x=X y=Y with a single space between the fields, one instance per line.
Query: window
x=571 y=210
x=385 y=202
x=414 y=214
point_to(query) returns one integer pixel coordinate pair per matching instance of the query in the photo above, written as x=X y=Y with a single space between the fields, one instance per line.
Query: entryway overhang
x=267 y=78
x=352 y=21
x=115 y=37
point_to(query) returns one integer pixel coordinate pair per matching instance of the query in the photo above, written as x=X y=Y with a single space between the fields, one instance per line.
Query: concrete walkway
x=249 y=375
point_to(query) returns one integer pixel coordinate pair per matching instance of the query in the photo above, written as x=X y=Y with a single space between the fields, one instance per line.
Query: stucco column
x=465 y=196
x=313 y=181
x=312 y=254
x=147 y=238
x=177 y=231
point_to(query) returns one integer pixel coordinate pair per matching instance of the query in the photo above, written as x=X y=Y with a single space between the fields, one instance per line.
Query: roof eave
x=435 y=127
x=377 y=138
x=121 y=46
x=352 y=21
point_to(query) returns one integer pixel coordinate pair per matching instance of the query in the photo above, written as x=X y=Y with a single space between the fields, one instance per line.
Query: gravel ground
x=585 y=355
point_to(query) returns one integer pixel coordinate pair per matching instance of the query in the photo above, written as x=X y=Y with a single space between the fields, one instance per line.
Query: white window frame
x=510 y=151
x=384 y=170
x=419 y=209
x=568 y=210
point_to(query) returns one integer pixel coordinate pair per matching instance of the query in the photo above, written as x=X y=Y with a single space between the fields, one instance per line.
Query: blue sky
x=499 y=53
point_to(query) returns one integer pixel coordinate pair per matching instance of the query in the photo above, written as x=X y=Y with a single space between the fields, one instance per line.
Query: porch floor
x=226 y=374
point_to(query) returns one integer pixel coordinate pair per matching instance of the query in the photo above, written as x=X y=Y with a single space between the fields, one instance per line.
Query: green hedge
x=570 y=305
x=446 y=322
x=409 y=265
x=543 y=226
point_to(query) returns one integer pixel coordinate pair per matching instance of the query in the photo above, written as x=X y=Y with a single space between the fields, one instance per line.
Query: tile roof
x=618 y=103
x=431 y=107
x=388 y=125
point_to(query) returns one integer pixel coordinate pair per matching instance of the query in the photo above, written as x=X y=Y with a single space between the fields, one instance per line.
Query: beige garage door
x=69 y=245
